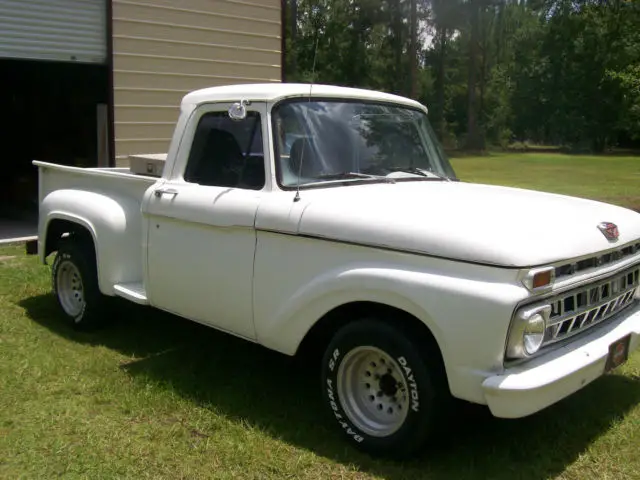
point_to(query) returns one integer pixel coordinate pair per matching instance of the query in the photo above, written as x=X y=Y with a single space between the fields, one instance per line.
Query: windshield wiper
x=354 y=175
x=418 y=171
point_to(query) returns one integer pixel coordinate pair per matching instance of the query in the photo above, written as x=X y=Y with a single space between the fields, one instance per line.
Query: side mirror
x=238 y=111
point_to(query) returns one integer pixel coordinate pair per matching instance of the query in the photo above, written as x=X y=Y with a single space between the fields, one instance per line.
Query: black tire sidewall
x=414 y=367
x=77 y=253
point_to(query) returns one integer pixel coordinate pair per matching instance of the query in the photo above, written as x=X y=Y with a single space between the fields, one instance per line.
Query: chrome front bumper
x=532 y=386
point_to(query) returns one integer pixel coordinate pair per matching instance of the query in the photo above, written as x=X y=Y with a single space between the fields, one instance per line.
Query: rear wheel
x=382 y=388
x=75 y=283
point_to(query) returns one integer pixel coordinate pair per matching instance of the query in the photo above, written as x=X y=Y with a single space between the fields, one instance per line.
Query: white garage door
x=63 y=30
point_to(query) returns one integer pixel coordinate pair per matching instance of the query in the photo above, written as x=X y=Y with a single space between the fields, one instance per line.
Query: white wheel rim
x=70 y=289
x=372 y=391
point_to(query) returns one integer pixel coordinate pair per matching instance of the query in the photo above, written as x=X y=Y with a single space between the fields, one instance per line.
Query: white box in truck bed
x=151 y=164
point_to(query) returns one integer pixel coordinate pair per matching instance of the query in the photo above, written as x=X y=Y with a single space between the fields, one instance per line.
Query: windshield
x=329 y=141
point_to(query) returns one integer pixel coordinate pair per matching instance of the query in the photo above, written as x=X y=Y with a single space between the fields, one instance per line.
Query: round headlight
x=533 y=334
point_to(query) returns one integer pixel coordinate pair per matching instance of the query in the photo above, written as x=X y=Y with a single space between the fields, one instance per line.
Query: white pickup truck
x=330 y=217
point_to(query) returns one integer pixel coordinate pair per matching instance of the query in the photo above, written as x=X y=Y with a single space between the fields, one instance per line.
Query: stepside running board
x=132 y=291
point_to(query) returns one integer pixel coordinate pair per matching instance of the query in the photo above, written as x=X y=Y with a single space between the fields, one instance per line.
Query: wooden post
x=102 y=129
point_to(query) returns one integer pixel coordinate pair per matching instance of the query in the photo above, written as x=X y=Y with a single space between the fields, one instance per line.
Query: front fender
x=114 y=224
x=469 y=318
x=286 y=329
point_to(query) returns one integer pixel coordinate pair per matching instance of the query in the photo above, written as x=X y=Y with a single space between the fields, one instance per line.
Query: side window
x=227 y=153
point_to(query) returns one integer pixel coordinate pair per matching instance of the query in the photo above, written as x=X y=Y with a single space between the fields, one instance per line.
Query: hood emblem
x=609 y=230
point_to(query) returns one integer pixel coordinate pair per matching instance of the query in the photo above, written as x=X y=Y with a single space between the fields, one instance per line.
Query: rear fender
x=114 y=225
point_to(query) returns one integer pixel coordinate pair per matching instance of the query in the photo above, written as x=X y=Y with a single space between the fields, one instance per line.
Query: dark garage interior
x=50 y=112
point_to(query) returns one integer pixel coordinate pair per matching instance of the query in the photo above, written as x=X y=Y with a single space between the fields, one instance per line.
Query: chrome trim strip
x=615 y=253
x=599 y=253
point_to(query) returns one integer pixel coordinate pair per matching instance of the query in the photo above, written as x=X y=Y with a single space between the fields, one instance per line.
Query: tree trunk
x=413 y=50
x=442 y=55
x=483 y=34
x=400 y=78
x=474 y=141
x=293 y=12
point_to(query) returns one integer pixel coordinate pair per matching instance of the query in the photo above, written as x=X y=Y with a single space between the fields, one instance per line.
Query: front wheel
x=380 y=388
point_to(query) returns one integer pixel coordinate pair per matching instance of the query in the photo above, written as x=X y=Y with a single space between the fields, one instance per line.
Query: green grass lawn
x=614 y=179
x=154 y=396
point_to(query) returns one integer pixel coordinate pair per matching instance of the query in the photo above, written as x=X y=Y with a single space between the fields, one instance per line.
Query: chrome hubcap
x=372 y=391
x=69 y=287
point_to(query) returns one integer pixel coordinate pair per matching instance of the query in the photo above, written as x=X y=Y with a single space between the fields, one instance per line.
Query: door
x=201 y=236
x=61 y=30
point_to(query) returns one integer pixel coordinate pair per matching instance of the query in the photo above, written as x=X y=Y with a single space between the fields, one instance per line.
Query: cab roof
x=272 y=92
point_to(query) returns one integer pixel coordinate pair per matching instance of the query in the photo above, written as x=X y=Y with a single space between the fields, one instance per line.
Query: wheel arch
x=60 y=225
x=320 y=333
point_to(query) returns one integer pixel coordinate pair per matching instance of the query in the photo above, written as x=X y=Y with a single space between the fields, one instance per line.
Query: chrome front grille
x=577 y=310
x=600 y=260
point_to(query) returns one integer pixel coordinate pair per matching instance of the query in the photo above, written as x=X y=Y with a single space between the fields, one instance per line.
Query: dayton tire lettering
x=333 y=359
x=334 y=406
x=413 y=386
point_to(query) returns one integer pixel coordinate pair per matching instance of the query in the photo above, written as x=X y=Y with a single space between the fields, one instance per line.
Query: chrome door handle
x=169 y=191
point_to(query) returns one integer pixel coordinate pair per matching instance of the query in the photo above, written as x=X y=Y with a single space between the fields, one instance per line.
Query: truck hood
x=471 y=222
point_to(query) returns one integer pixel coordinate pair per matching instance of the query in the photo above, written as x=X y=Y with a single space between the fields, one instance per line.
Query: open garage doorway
x=50 y=112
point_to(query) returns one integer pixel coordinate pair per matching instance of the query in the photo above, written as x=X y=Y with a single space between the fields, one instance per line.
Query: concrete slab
x=17 y=231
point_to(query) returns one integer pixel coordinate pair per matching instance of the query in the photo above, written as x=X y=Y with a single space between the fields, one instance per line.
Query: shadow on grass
x=271 y=392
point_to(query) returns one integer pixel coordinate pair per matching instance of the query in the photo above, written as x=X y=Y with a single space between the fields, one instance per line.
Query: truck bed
x=107 y=201
x=119 y=180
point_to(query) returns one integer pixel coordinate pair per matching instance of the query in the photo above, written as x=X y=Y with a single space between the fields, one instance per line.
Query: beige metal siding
x=162 y=49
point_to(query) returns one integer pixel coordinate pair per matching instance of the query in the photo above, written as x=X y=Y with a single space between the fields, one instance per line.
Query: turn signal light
x=541 y=279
